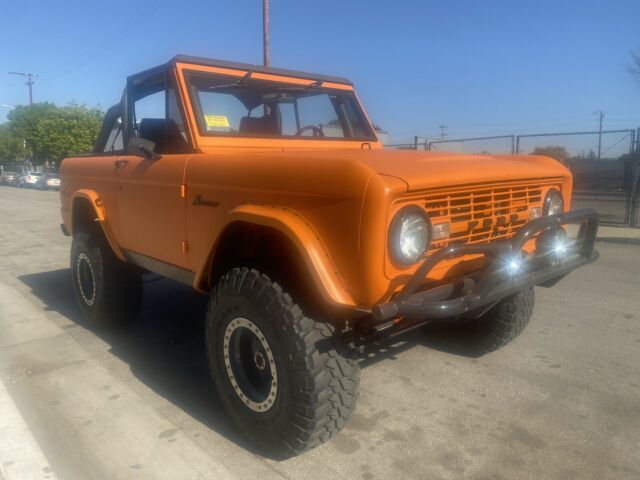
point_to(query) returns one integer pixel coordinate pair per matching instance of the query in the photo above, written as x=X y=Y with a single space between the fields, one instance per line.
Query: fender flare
x=306 y=241
x=98 y=207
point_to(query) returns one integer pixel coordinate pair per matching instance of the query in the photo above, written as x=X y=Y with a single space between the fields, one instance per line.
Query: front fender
x=307 y=242
x=98 y=207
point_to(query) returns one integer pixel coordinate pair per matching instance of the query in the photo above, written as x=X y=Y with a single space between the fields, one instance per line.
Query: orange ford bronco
x=269 y=191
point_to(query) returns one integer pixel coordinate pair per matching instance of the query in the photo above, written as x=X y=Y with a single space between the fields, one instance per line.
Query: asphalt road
x=562 y=401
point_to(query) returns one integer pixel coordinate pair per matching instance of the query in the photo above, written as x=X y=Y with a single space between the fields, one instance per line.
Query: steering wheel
x=317 y=131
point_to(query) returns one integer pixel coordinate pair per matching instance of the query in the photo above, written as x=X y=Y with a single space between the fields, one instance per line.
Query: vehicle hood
x=424 y=170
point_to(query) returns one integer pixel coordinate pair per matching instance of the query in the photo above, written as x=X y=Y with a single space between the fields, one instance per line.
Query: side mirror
x=142 y=148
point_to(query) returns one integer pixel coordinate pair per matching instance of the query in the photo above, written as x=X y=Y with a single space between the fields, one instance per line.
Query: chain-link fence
x=406 y=146
x=602 y=164
x=503 y=144
x=605 y=165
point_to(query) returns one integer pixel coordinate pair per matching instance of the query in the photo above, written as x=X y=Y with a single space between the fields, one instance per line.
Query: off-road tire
x=317 y=378
x=504 y=322
x=493 y=330
x=116 y=295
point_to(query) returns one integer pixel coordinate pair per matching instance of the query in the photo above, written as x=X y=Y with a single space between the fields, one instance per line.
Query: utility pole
x=601 y=117
x=265 y=31
x=442 y=131
x=29 y=83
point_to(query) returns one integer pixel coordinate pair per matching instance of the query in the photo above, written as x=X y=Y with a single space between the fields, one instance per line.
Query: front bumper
x=474 y=294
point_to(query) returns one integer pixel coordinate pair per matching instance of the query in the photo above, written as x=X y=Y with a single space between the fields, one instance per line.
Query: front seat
x=259 y=125
x=164 y=132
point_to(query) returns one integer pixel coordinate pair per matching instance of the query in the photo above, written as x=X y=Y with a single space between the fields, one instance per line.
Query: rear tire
x=285 y=379
x=108 y=290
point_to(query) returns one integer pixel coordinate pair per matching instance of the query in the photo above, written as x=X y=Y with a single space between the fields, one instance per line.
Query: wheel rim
x=86 y=279
x=250 y=364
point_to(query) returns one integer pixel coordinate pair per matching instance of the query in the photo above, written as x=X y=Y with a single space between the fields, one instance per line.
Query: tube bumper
x=494 y=282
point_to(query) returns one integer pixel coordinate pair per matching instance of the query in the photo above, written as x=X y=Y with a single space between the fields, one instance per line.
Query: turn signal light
x=441 y=231
x=535 y=212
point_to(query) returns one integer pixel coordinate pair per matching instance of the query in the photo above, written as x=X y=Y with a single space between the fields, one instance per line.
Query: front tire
x=108 y=290
x=283 y=377
x=505 y=321
x=496 y=328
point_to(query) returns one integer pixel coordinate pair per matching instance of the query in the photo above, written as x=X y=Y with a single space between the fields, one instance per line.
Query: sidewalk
x=606 y=233
x=611 y=234
x=82 y=419
x=20 y=454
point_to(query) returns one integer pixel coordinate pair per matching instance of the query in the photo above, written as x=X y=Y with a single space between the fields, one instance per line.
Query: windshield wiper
x=237 y=83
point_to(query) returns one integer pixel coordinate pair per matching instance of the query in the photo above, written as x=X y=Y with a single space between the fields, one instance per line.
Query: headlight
x=409 y=235
x=553 y=203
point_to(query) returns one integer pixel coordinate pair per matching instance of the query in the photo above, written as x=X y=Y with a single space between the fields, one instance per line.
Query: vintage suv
x=268 y=190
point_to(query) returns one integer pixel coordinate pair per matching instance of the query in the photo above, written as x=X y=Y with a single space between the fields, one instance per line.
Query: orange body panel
x=333 y=198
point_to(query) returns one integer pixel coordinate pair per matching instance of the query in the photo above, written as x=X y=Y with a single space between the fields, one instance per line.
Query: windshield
x=253 y=108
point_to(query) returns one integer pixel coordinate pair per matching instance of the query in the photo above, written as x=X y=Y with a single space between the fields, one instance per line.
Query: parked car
x=311 y=242
x=48 y=181
x=9 y=178
x=29 y=180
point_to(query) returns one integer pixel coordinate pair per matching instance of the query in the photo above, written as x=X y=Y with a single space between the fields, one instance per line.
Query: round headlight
x=553 y=203
x=409 y=235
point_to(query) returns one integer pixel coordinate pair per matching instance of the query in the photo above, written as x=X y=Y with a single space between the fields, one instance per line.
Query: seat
x=259 y=125
x=164 y=132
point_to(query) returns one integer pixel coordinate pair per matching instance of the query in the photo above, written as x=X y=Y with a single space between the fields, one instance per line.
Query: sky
x=478 y=67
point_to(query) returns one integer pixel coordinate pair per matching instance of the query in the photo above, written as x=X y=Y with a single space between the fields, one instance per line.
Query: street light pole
x=265 y=31
x=29 y=83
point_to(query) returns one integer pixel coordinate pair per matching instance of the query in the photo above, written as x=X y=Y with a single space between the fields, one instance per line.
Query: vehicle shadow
x=436 y=336
x=165 y=347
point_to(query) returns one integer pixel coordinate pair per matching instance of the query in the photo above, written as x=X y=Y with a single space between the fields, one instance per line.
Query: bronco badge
x=198 y=200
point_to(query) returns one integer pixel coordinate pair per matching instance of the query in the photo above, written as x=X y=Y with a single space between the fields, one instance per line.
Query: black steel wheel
x=108 y=291
x=250 y=364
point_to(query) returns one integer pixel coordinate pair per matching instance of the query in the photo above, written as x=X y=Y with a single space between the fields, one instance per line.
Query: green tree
x=10 y=146
x=556 y=152
x=50 y=132
x=72 y=130
x=23 y=121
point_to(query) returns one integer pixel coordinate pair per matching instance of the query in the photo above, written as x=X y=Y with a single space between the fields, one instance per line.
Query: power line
x=146 y=12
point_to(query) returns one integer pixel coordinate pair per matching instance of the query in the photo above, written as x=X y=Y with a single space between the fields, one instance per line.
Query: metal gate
x=604 y=168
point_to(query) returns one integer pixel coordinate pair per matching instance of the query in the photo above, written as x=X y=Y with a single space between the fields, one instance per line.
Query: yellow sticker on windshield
x=216 y=121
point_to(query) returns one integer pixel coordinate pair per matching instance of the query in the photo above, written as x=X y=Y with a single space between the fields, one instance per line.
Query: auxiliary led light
x=553 y=244
x=514 y=266
x=560 y=247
